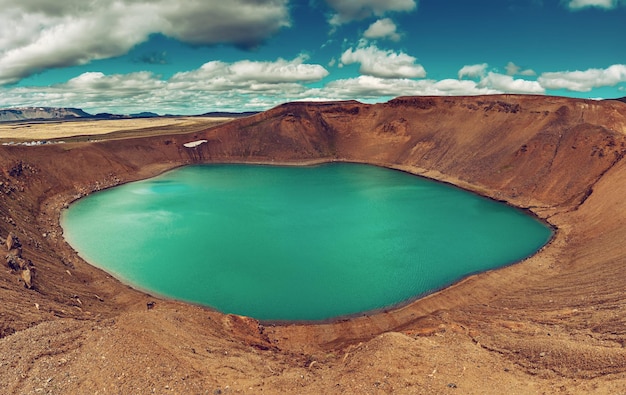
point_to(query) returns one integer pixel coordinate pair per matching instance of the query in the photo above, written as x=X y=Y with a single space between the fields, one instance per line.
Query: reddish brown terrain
x=554 y=323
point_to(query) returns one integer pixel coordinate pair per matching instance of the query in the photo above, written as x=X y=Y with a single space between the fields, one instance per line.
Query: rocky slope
x=552 y=323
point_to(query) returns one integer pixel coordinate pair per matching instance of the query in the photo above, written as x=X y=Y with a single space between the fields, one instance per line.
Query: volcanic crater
x=555 y=322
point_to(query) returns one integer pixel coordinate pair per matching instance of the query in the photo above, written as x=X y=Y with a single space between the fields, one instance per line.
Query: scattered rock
x=12 y=242
x=16 y=170
x=12 y=262
x=16 y=262
x=27 y=277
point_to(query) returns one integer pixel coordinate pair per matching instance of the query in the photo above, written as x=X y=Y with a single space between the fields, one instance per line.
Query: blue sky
x=194 y=56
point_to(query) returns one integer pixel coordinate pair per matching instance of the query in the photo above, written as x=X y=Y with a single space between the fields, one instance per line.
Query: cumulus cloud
x=248 y=85
x=579 y=4
x=382 y=28
x=219 y=86
x=513 y=69
x=499 y=82
x=453 y=87
x=473 y=71
x=369 y=88
x=241 y=22
x=216 y=75
x=506 y=83
x=383 y=64
x=97 y=92
x=352 y=10
x=115 y=85
x=66 y=43
x=584 y=81
x=366 y=86
x=216 y=85
x=36 y=35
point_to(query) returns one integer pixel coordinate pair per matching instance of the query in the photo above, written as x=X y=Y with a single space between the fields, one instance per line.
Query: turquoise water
x=296 y=243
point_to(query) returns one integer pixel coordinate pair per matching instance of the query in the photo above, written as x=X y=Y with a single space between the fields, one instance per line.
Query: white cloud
x=351 y=10
x=213 y=88
x=584 y=81
x=116 y=85
x=216 y=85
x=579 y=4
x=473 y=71
x=69 y=41
x=368 y=88
x=219 y=75
x=98 y=92
x=513 y=69
x=382 y=28
x=454 y=87
x=383 y=64
x=247 y=85
x=279 y=71
x=506 y=83
x=37 y=35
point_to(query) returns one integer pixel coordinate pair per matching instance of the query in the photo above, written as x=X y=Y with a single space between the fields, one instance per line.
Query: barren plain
x=554 y=323
x=76 y=130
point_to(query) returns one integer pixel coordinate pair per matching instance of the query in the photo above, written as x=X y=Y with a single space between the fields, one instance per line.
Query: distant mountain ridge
x=61 y=113
x=43 y=113
x=68 y=113
x=107 y=115
x=622 y=99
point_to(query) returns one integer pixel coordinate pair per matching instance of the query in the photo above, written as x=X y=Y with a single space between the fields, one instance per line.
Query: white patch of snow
x=193 y=144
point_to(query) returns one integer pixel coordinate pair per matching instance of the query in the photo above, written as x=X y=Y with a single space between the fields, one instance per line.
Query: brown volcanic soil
x=554 y=323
